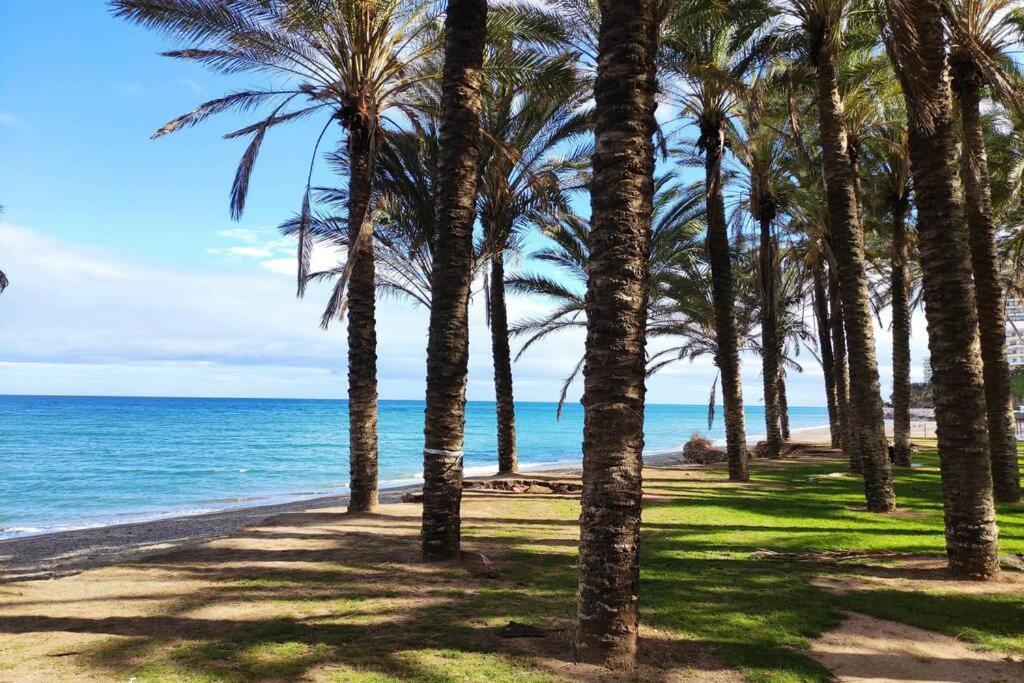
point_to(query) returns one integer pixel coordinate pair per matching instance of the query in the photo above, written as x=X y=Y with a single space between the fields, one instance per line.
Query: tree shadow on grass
x=286 y=601
x=329 y=595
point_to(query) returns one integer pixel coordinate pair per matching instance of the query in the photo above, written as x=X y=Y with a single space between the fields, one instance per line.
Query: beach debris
x=829 y=557
x=412 y=497
x=700 y=451
x=517 y=629
x=831 y=475
x=523 y=485
x=480 y=565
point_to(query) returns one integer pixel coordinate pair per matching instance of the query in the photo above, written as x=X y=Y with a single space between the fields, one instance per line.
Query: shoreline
x=62 y=552
x=287 y=500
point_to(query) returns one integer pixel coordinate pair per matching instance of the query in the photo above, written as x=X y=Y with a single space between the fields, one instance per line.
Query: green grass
x=699 y=578
x=337 y=616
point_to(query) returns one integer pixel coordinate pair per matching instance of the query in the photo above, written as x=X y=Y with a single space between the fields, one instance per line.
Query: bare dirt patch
x=863 y=648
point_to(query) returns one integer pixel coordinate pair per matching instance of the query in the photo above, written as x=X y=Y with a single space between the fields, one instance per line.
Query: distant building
x=927 y=370
x=1015 y=332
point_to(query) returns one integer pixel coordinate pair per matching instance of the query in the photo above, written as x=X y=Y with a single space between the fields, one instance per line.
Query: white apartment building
x=1015 y=332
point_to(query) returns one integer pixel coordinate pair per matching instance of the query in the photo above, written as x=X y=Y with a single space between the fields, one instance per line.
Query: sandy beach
x=62 y=553
x=47 y=556
x=919 y=429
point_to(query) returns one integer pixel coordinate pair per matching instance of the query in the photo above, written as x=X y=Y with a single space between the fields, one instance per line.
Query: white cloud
x=82 y=321
x=246 y=235
x=254 y=252
x=129 y=88
x=12 y=121
x=276 y=254
x=191 y=85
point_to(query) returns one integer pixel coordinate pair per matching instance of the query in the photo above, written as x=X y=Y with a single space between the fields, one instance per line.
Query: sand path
x=867 y=649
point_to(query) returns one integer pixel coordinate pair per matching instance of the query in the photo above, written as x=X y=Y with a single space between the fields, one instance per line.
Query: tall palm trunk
x=769 y=338
x=621 y=197
x=448 y=345
x=783 y=408
x=508 y=460
x=362 y=329
x=727 y=356
x=988 y=286
x=900 y=335
x=828 y=366
x=867 y=419
x=960 y=409
x=835 y=302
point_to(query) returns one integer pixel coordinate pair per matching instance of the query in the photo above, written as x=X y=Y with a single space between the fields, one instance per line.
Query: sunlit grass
x=364 y=609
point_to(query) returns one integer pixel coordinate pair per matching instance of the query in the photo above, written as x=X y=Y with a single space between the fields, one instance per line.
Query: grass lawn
x=325 y=596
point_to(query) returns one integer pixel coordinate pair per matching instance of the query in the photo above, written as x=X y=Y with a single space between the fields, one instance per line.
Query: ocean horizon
x=74 y=462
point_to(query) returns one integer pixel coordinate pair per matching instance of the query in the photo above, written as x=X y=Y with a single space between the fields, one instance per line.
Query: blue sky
x=128 y=276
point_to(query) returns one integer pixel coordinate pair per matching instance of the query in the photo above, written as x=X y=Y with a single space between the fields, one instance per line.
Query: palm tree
x=520 y=169
x=888 y=210
x=809 y=215
x=448 y=345
x=705 y=51
x=984 y=33
x=621 y=194
x=828 y=364
x=352 y=60
x=761 y=153
x=916 y=42
x=404 y=235
x=675 y=248
x=821 y=25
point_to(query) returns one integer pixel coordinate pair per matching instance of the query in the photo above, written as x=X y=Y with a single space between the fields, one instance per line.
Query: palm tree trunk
x=508 y=460
x=900 y=336
x=362 y=331
x=783 y=408
x=448 y=345
x=960 y=411
x=988 y=288
x=842 y=373
x=621 y=198
x=769 y=338
x=828 y=367
x=868 y=421
x=727 y=356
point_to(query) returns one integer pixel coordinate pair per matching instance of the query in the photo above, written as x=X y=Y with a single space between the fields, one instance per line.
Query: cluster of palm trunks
x=766 y=85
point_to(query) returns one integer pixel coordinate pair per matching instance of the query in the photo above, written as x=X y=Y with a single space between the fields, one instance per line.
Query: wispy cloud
x=81 y=320
x=11 y=121
x=254 y=252
x=191 y=85
x=275 y=253
x=129 y=88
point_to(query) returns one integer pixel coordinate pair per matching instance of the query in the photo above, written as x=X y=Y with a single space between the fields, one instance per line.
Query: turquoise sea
x=74 y=462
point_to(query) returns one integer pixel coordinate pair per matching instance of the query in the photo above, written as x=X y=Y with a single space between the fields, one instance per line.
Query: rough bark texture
x=727 y=356
x=783 y=409
x=825 y=347
x=448 y=345
x=613 y=397
x=868 y=426
x=362 y=332
x=959 y=392
x=842 y=373
x=508 y=458
x=900 y=335
x=769 y=339
x=988 y=287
